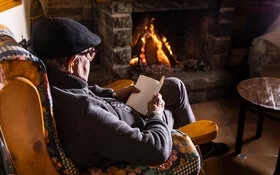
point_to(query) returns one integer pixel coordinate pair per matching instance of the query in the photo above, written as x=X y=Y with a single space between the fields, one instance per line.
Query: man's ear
x=69 y=63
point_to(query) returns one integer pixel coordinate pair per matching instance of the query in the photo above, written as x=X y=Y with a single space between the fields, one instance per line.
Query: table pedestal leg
x=240 y=128
x=277 y=168
x=260 y=124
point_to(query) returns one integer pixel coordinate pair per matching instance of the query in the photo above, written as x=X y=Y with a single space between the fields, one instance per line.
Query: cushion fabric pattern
x=183 y=160
x=9 y=49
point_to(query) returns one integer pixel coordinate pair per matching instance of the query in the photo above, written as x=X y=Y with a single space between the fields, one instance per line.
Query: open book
x=148 y=88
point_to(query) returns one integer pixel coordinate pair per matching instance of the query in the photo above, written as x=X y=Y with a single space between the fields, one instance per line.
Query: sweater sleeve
x=119 y=141
x=116 y=140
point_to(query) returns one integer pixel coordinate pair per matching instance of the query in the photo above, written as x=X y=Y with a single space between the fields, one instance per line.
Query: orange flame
x=161 y=56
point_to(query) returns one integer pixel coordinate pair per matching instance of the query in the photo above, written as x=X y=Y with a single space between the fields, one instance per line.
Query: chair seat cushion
x=184 y=160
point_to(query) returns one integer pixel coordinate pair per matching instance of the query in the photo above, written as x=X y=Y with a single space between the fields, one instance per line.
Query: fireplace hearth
x=198 y=32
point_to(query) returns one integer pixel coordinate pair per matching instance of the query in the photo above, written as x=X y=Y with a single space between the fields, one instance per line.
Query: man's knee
x=174 y=85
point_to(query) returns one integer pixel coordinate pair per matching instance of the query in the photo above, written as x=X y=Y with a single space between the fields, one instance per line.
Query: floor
x=258 y=155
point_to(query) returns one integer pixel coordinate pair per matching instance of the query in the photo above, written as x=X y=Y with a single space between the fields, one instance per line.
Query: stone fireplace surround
x=113 y=21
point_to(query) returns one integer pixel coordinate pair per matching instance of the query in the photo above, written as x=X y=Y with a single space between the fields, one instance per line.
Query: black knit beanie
x=61 y=37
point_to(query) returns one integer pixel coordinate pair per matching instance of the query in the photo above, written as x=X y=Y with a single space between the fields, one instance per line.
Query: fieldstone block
x=115 y=37
x=120 y=71
x=213 y=4
x=159 y=5
x=227 y=14
x=119 y=21
x=114 y=62
x=115 y=21
x=217 y=61
x=202 y=80
x=203 y=86
x=122 y=38
x=227 y=3
x=218 y=45
x=66 y=12
x=221 y=29
x=67 y=3
x=122 y=55
x=114 y=56
x=116 y=7
x=208 y=94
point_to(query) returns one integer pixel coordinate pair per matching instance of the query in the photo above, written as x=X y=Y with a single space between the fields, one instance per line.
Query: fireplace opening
x=170 y=39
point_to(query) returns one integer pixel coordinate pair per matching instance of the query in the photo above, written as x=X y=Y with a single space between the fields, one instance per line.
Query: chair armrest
x=201 y=131
x=116 y=85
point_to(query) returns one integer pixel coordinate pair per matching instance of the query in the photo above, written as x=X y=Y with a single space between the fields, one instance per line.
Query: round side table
x=260 y=95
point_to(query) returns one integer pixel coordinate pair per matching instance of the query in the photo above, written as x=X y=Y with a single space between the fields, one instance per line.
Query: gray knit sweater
x=95 y=128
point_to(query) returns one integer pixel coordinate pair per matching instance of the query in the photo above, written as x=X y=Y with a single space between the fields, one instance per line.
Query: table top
x=262 y=91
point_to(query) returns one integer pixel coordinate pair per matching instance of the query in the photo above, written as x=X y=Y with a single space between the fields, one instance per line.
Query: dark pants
x=177 y=110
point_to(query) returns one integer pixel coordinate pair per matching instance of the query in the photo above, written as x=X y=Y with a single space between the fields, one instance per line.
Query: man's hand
x=124 y=93
x=156 y=104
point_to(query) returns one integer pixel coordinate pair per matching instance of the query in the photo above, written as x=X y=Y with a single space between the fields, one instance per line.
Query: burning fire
x=153 y=47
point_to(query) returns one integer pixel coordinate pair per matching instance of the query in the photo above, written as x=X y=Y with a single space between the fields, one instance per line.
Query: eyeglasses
x=88 y=53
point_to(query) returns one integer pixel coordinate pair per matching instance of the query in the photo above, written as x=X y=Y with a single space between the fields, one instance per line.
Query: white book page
x=148 y=88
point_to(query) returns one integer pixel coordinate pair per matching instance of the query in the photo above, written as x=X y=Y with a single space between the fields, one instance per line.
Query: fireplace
x=198 y=33
x=176 y=39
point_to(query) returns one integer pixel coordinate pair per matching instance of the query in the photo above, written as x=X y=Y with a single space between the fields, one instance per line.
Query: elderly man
x=94 y=124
